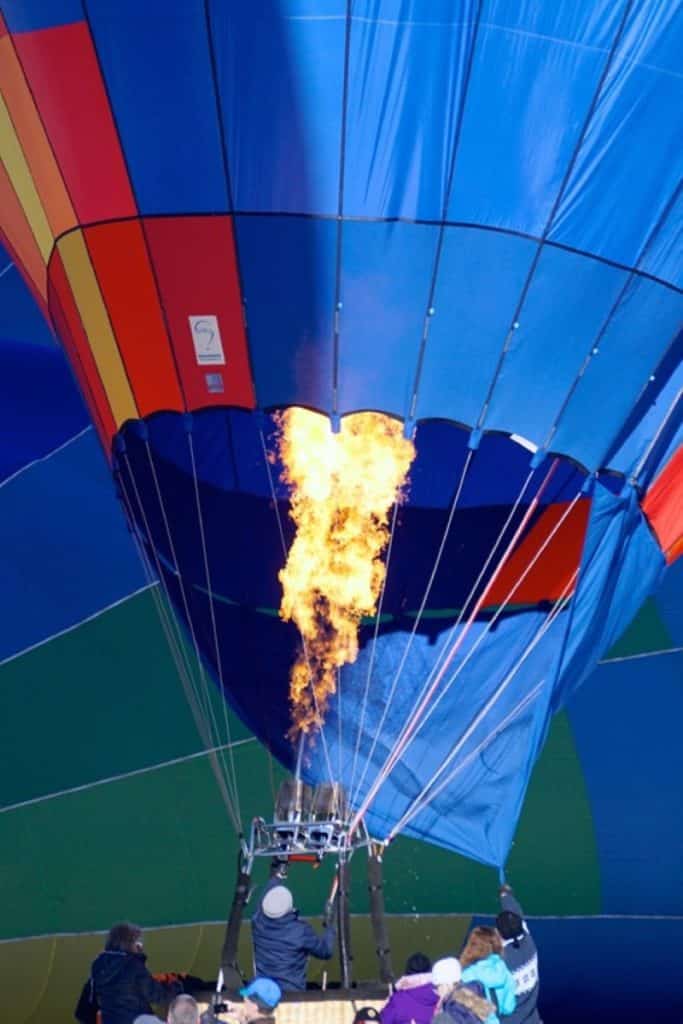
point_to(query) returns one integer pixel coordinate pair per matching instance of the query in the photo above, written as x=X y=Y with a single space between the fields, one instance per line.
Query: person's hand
x=505 y=888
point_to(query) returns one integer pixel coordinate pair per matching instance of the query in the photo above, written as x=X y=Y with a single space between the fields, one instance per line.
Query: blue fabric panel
x=66 y=550
x=629 y=165
x=476 y=813
x=622 y=564
x=567 y=304
x=634 y=784
x=40 y=406
x=467 y=332
x=407 y=65
x=27 y=15
x=655 y=425
x=280 y=80
x=158 y=73
x=527 y=99
x=20 y=318
x=639 y=334
x=289 y=287
x=386 y=272
x=662 y=257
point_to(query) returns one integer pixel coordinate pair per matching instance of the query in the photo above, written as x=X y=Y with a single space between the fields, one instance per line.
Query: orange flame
x=343 y=487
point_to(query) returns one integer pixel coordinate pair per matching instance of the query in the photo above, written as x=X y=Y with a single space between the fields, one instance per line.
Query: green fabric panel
x=157 y=846
x=646 y=633
x=102 y=699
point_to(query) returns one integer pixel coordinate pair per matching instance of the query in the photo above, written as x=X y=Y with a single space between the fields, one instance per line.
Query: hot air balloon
x=464 y=220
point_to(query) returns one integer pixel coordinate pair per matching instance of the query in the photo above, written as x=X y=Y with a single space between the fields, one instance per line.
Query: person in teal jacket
x=482 y=961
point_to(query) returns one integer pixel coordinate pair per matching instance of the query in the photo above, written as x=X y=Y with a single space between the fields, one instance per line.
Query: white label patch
x=206 y=337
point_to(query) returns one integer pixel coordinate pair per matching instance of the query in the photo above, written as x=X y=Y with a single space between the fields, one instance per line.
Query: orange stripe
x=34 y=141
x=18 y=231
x=121 y=264
x=548 y=577
x=663 y=506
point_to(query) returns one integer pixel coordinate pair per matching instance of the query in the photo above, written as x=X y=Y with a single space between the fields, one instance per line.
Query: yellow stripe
x=95 y=319
x=14 y=160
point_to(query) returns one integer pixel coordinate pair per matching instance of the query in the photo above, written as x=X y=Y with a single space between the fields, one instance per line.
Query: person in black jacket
x=521 y=957
x=283 y=943
x=120 y=985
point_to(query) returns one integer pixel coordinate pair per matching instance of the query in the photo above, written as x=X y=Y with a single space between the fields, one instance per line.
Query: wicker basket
x=331 y=1011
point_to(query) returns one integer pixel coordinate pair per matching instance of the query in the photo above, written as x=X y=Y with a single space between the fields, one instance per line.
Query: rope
x=499 y=611
x=430 y=582
x=190 y=624
x=371 y=661
x=491 y=702
x=176 y=644
x=412 y=723
x=214 y=628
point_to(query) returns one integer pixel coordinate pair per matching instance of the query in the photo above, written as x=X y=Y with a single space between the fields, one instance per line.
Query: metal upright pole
x=229 y=965
x=377 y=916
x=344 y=923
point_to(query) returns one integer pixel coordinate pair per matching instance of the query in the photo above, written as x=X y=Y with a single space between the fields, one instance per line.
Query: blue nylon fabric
x=570 y=113
x=163 y=102
x=407 y=70
x=280 y=71
x=20 y=317
x=40 y=406
x=386 y=271
x=56 y=570
x=28 y=15
x=290 y=309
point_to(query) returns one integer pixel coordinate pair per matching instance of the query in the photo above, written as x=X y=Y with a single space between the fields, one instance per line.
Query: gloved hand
x=505 y=888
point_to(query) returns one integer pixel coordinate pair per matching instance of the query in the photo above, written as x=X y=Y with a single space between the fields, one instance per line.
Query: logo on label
x=206 y=337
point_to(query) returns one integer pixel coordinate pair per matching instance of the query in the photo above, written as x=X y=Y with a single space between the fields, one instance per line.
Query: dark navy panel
x=28 y=15
x=567 y=304
x=634 y=785
x=640 y=332
x=157 y=67
x=20 y=318
x=281 y=90
x=526 y=102
x=40 y=407
x=612 y=970
x=66 y=550
x=407 y=65
x=386 y=273
x=629 y=164
x=288 y=278
x=481 y=276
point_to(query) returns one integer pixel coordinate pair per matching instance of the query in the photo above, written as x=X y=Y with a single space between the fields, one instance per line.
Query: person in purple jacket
x=414 y=997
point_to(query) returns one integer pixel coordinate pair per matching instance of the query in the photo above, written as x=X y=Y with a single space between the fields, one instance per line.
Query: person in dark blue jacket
x=282 y=942
x=521 y=956
x=120 y=985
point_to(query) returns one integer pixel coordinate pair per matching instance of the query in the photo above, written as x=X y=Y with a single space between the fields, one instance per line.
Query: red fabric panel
x=119 y=257
x=549 y=576
x=663 y=506
x=3 y=26
x=62 y=70
x=75 y=341
x=194 y=261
